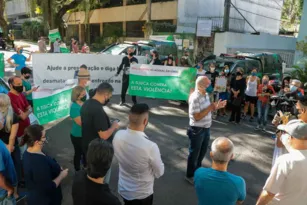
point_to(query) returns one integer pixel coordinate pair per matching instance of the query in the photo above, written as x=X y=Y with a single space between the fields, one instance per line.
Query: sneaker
x=122 y=103
x=190 y=180
x=263 y=129
x=251 y=119
x=243 y=116
x=258 y=127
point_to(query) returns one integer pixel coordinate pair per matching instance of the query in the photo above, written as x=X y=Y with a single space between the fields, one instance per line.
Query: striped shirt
x=198 y=103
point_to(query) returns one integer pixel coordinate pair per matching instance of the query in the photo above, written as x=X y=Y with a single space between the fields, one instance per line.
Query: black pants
x=30 y=103
x=125 y=85
x=146 y=201
x=13 y=44
x=77 y=143
x=235 y=113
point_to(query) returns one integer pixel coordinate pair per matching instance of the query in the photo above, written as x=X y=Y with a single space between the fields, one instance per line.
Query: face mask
x=293 y=88
x=198 y=67
x=226 y=71
x=254 y=73
x=20 y=51
x=239 y=74
x=130 y=54
x=209 y=89
x=265 y=82
x=27 y=77
x=18 y=88
x=106 y=102
x=83 y=99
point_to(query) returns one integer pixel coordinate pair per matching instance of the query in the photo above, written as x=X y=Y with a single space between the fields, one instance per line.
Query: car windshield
x=117 y=49
x=219 y=64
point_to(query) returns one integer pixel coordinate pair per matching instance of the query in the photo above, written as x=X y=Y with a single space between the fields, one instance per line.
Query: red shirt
x=19 y=102
x=264 y=99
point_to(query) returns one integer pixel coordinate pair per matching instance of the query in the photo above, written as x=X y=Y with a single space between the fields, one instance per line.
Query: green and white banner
x=173 y=83
x=50 y=105
x=54 y=34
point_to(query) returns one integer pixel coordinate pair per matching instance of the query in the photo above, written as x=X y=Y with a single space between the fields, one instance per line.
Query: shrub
x=32 y=29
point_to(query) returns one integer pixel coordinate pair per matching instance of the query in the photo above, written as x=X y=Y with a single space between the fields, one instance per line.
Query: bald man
x=139 y=159
x=200 y=108
x=215 y=185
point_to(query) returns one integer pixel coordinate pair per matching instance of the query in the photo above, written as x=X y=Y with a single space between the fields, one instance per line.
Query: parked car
x=143 y=48
x=4 y=88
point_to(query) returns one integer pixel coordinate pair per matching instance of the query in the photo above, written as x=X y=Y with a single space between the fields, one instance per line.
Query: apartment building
x=129 y=15
x=17 y=12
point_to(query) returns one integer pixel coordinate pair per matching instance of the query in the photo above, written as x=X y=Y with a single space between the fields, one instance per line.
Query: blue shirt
x=215 y=187
x=20 y=60
x=7 y=168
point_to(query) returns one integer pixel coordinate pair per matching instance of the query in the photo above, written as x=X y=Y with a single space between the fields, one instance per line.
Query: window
x=251 y=64
x=112 y=3
x=134 y=2
x=134 y=29
x=240 y=64
x=113 y=29
x=145 y=50
x=94 y=32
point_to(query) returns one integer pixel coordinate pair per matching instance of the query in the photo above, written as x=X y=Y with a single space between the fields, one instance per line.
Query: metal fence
x=235 y=24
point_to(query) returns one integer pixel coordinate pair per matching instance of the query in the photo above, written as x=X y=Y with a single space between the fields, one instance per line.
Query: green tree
x=3 y=23
x=292 y=10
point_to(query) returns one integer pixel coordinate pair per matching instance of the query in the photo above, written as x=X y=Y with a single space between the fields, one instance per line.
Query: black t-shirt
x=94 y=119
x=87 y=192
x=213 y=75
x=238 y=85
x=5 y=136
x=126 y=63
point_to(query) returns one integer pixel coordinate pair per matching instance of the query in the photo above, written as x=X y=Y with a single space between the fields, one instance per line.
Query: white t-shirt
x=288 y=179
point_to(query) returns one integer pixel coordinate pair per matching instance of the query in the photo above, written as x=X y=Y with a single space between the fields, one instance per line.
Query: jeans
x=263 y=111
x=125 y=85
x=199 y=141
x=17 y=161
x=77 y=143
x=146 y=201
x=8 y=201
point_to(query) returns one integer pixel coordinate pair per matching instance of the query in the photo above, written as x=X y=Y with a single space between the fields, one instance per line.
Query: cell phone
x=37 y=87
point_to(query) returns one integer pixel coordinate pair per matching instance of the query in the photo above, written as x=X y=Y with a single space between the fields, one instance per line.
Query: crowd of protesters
x=96 y=141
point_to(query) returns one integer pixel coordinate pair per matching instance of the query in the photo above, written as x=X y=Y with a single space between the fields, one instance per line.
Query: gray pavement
x=167 y=127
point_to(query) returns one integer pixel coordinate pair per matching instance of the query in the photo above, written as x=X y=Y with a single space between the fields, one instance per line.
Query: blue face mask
x=198 y=67
x=293 y=88
x=226 y=71
x=254 y=73
x=20 y=51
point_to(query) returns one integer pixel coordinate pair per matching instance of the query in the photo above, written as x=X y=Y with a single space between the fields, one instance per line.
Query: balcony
x=235 y=24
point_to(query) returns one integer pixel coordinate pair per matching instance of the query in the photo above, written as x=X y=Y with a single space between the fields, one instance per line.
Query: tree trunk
x=3 y=23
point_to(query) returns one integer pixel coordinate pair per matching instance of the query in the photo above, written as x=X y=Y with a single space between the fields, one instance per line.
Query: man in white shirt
x=287 y=183
x=200 y=109
x=139 y=159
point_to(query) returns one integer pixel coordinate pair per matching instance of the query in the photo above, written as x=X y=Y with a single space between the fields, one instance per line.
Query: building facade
x=17 y=12
x=263 y=15
x=130 y=16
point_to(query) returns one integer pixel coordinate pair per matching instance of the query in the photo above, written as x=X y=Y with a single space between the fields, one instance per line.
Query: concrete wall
x=231 y=42
x=299 y=57
x=159 y=11
x=16 y=7
x=190 y=10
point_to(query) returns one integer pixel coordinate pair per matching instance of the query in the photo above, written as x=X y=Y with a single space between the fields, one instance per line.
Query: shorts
x=251 y=99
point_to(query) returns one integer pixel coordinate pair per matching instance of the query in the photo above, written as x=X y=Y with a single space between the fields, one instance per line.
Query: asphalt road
x=167 y=127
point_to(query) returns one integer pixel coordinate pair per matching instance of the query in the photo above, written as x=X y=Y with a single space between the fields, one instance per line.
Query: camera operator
x=295 y=89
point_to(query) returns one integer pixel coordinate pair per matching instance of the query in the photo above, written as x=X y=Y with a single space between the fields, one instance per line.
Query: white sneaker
x=263 y=129
x=258 y=127
x=190 y=180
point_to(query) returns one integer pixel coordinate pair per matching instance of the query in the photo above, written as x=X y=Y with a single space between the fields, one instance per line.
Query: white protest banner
x=55 y=71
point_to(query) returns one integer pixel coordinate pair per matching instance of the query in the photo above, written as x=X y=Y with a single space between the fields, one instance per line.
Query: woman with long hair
x=78 y=96
x=9 y=127
x=43 y=174
x=155 y=58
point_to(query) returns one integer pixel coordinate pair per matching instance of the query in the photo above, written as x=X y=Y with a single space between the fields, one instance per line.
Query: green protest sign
x=64 y=50
x=2 y=65
x=53 y=35
x=51 y=106
x=173 y=83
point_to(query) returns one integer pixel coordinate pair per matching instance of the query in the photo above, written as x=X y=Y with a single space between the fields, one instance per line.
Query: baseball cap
x=83 y=73
x=302 y=99
x=295 y=128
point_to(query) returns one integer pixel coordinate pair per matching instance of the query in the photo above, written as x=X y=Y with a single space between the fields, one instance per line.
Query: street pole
x=226 y=15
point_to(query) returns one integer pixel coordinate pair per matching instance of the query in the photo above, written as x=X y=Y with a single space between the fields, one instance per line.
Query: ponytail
x=32 y=134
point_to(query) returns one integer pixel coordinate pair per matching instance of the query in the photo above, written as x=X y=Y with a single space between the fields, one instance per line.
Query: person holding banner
x=28 y=90
x=200 y=108
x=19 y=60
x=42 y=45
x=84 y=78
x=125 y=66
